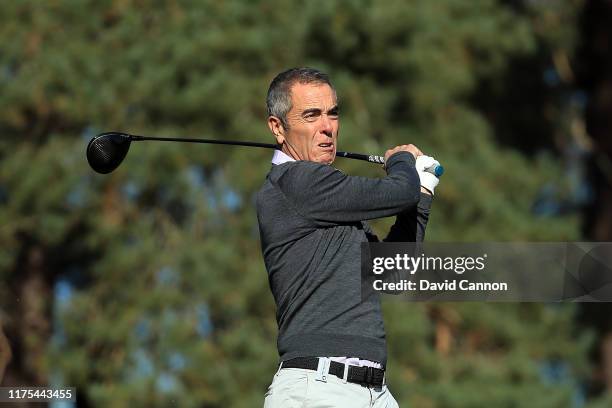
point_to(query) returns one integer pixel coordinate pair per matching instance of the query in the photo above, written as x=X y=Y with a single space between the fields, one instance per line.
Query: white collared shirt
x=280 y=158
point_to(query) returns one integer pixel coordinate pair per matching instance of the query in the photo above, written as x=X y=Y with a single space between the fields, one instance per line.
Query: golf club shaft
x=357 y=156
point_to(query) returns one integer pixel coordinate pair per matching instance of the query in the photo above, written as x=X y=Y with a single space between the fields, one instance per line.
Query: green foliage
x=169 y=241
x=496 y=356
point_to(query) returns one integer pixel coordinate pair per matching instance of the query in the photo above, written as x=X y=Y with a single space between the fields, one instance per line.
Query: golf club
x=106 y=151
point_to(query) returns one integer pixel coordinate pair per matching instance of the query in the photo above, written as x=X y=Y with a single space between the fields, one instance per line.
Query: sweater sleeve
x=410 y=224
x=327 y=196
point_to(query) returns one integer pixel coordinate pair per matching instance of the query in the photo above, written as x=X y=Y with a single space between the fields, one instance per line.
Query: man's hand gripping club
x=428 y=180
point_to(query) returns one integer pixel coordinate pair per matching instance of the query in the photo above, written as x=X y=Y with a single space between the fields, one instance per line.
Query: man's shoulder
x=292 y=176
x=300 y=171
x=270 y=184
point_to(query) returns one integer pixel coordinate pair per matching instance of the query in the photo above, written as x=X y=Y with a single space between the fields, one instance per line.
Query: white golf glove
x=428 y=180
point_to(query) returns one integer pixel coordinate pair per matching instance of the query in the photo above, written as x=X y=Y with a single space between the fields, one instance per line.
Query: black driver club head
x=106 y=151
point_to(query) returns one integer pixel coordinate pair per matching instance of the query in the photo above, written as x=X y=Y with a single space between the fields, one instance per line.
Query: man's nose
x=326 y=125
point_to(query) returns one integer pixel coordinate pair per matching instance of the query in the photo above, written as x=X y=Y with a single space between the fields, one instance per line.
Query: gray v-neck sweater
x=311 y=221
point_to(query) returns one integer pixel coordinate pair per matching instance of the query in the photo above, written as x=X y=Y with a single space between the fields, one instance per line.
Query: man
x=311 y=219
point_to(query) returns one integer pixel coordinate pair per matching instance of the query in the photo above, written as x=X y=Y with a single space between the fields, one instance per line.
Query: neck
x=290 y=151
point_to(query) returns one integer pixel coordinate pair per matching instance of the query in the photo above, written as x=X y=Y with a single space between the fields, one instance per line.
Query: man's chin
x=326 y=157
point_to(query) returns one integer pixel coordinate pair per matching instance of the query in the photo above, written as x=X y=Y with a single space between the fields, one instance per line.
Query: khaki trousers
x=297 y=387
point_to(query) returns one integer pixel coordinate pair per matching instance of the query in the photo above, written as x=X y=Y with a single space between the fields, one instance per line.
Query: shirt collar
x=280 y=157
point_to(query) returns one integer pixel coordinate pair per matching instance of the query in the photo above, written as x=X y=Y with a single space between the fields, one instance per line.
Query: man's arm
x=410 y=224
x=327 y=196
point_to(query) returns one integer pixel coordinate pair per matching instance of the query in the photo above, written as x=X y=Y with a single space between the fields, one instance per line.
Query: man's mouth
x=326 y=146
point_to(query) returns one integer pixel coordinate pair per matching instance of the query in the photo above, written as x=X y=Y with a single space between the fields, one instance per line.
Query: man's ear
x=277 y=129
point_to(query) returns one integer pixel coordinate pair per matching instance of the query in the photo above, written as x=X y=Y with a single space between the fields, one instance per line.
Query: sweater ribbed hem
x=328 y=344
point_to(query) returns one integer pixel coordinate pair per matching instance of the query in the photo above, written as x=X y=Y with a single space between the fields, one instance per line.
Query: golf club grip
x=437 y=169
x=369 y=158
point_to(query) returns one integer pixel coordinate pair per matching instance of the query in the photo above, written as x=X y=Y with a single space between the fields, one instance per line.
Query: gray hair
x=279 y=92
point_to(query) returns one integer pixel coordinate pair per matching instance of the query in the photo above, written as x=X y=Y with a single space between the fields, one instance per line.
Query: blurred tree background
x=146 y=287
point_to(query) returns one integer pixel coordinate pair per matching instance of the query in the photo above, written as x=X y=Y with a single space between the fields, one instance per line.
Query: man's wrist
x=399 y=157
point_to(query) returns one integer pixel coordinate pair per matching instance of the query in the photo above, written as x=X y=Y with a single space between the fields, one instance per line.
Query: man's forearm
x=410 y=225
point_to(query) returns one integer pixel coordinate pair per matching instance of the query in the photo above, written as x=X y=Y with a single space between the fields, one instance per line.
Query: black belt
x=360 y=375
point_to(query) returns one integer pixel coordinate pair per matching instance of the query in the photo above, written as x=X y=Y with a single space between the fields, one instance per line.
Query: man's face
x=313 y=123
